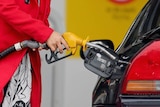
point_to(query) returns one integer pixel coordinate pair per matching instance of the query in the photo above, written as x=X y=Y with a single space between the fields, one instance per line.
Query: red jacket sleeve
x=22 y=21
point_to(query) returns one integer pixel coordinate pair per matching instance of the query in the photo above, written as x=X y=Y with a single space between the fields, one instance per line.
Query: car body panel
x=134 y=42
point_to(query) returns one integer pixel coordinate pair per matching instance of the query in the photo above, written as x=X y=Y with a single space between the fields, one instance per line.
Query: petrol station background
x=101 y=19
x=67 y=83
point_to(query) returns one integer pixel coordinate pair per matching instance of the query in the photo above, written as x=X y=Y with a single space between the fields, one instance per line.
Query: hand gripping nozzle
x=73 y=42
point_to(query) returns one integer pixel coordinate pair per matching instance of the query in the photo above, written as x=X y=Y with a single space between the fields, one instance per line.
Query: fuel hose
x=21 y=45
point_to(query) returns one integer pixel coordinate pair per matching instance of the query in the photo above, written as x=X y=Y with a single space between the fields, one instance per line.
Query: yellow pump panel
x=101 y=19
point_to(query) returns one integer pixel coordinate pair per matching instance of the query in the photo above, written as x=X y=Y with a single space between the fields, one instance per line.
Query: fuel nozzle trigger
x=54 y=56
x=73 y=42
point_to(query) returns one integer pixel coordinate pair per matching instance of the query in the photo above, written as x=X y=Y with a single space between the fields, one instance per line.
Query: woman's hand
x=56 y=41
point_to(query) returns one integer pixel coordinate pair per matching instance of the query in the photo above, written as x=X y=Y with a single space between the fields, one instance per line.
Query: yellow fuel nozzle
x=74 y=41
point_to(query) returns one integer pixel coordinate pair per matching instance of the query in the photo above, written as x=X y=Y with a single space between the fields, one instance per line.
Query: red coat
x=18 y=22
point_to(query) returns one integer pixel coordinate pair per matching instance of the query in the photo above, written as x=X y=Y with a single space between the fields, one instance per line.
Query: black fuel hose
x=21 y=45
x=7 y=51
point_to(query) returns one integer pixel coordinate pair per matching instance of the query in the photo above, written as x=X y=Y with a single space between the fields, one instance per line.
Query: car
x=129 y=76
